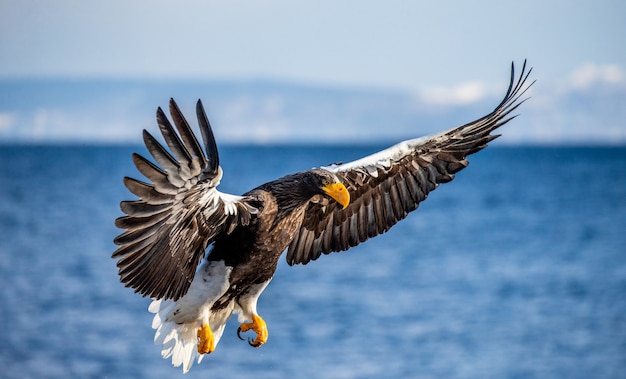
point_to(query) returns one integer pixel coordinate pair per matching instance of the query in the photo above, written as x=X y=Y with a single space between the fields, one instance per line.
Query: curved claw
x=253 y=343
x=239 y=333
x=258 y=326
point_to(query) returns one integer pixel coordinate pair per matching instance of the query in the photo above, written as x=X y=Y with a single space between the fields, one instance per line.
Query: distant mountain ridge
x=115 y=111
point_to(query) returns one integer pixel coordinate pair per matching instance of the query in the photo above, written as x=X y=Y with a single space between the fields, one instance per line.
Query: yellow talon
x=206 y=341
x=258 y=326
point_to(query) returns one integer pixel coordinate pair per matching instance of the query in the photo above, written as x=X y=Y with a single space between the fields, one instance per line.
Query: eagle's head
x=327 y=185
x=316 y=185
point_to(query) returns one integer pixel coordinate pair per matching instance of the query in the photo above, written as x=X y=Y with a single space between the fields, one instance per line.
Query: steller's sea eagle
x=180 y=213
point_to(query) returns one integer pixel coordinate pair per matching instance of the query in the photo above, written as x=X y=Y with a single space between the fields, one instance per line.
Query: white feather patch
x=214 y=199
x=381 y=159
x=177 y=322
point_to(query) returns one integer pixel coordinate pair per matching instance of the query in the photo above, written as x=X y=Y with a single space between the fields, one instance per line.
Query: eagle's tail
x=179 y=340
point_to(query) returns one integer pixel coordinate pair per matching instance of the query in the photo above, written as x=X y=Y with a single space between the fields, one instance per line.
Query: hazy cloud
x=589 y=74
x=462 y=94
x=7 y=121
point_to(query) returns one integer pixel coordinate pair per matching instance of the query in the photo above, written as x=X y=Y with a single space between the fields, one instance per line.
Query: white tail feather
x=178 y=341
x=177 y=322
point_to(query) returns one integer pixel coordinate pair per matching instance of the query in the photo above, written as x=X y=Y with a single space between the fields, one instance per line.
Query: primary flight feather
x=180 y=213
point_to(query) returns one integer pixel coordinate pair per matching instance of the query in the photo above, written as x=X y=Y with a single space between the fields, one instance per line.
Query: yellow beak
x=338 y=192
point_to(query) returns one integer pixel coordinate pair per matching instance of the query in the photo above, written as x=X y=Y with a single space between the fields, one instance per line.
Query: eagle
x=202 y=255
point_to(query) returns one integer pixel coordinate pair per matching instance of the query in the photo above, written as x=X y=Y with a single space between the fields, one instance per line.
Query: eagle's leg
x=206 y=340
x=258 y=326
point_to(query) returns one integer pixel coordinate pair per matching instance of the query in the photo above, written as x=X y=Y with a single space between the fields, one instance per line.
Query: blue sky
x=440 y=52
x=399 y=44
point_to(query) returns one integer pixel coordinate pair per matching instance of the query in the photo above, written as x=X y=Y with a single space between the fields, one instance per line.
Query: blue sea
x=516 y=269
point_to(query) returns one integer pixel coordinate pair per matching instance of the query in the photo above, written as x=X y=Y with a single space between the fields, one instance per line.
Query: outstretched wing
x=386 y=186
x=178 y=214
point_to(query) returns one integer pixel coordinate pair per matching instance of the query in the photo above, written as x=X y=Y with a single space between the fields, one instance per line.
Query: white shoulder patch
x=229 y=202
x=215 y=199
x=381 y=159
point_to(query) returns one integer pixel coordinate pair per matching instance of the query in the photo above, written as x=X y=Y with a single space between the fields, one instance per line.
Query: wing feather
x=188 y=137
x=146 y=191
x=132 y=223
x=178 y=214
x=172 y=139
x=386 y=186
x=167 y=162
x=142 y=209
x=155 y=174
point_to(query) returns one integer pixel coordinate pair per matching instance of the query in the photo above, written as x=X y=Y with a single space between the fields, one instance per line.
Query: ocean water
x=516 y=269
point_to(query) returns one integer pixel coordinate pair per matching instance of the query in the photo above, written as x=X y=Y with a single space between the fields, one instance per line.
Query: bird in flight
x=180 y=213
